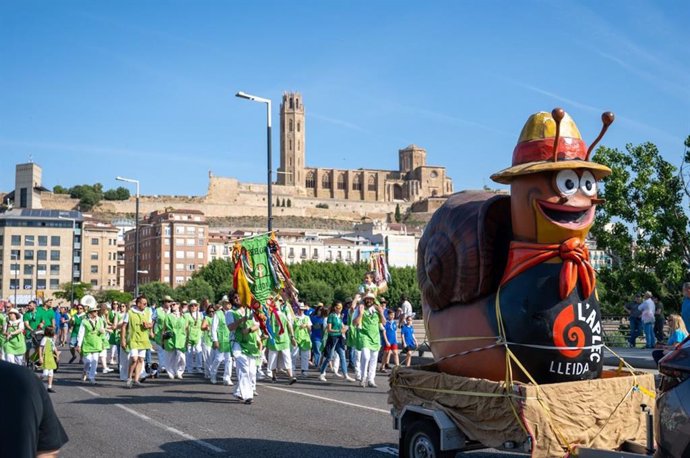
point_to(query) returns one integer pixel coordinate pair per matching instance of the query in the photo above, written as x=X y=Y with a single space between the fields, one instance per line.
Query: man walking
x=135 y=332
x=635 y=320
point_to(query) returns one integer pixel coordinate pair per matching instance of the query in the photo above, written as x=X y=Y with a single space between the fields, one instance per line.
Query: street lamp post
x=136 y=235
x=15 y=256
x=254 y=98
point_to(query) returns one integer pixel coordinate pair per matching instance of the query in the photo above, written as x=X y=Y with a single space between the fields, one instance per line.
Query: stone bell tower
x=292 y=144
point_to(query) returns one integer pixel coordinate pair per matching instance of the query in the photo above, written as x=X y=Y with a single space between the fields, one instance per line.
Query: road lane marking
x=92 y=393
x=171 y=429
x=388 y=450
x=327 y=399
x=161 y=425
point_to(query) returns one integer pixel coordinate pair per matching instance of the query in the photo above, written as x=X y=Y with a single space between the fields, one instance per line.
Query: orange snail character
x=497 y=269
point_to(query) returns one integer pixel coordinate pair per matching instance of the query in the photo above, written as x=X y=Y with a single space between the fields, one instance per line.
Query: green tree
x=155 y=291
x=217 y=273
x=119 y=193
x=89 y=195
x=404 y=284
x=398 y=215
x=315 y=291
x=57 y=189
x=74 y=291
x=643 y=226
x=196 y=288
x=112 y=295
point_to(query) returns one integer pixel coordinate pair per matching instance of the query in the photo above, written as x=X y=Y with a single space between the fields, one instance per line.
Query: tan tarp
x=600 y=413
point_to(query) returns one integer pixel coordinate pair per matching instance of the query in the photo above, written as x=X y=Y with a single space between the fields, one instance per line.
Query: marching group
x=191 y=337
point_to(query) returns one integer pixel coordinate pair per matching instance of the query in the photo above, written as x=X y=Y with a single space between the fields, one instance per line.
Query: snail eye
x=567 y=182
x=588 y=184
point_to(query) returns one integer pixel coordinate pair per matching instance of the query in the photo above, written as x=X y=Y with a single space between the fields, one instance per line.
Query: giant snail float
x=507 y=278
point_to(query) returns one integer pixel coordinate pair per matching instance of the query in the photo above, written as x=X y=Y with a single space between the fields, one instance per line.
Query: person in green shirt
x=136 y=332
x=194 y=320
x=335 y=344
x=207 y=351
x=370 y=321
x=222 y=341
x=45 y=315
x=302 y=327
x=247 y=336
x=76 y=324
x=90 y=338
x=48 y=356
x=279 y=345
x=354 y=355
x=3 y=320
x=15 y=344
x=159 y=318
x=31 y=321
x=175 y=341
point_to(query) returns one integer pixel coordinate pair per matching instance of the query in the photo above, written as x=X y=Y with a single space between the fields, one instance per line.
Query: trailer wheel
x=422 y=441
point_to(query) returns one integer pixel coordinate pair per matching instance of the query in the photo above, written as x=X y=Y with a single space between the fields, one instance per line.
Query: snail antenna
x=606 y=119
x=558 y=114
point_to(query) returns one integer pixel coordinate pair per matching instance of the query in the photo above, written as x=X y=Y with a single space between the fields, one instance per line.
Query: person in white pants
x=207 y=351
x=302 y=348
x=15 y=344
x=369 y=321
x=222 y=339
x=249 y=349
x=90 y=338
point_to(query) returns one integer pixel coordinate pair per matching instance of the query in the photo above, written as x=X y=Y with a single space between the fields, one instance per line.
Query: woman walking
x=15 y=344
x=90 y=339
x=175 y=341
x=335 y=343
x=370 y=321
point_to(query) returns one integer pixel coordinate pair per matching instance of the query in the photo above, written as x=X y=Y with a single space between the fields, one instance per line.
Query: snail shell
x=463 y=251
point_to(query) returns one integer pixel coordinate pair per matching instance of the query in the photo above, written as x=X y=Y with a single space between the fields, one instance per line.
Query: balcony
x=77 y=260
x=77 y=245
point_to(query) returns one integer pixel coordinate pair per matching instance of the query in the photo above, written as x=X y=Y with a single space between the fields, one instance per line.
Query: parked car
x=672 y=425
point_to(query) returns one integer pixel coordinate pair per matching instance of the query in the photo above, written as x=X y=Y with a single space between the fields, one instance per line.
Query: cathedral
x=414 y=180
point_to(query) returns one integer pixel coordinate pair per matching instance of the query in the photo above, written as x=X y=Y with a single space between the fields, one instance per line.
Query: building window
x=297 y=103
x=14 y=283
x=290 y=148
x=94 y=269
x=41 y=269
x=311 y=180
x=290 y=125
x=167 y=232
x=292 y=103
x=316 y=253
x=299 y=126
x=29 y=240
x=22 y=198
x=326 y=182
x=28 y=255
x=55 y=269
x=179 y=280
x=291 y=254
x=304 y=252
x=54 y=283
x=371 y=185
x=94 y=282
x=94 y=256
x=94 y=241
x=42 y=240
x=191 y=267
x=357 y=183
x=213 y=249
x=54 y=255
x=190 y=242
x=190 y=254
x=54 y=240
x=200 y=255
x=42 y=255
x=41 y=283
x=299 y=145
x=341 y=181
x=28 y=269
x=179 y=254
x=16 y=240
x=28 y=283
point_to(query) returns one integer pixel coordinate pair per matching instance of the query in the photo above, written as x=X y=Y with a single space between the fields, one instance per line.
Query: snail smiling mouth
x=567 y=216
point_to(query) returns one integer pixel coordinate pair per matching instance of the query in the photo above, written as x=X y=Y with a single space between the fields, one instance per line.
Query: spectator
x=409 y=342
x=28 y=424
x=659 y=320
x=390 y=337
x=685 y=307
x=647 y=308
x=678 y=333
x=317 y=324
x=406 y=307
x=635 y=321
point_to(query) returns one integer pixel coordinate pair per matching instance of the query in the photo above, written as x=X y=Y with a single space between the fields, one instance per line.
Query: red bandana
x=573 y=252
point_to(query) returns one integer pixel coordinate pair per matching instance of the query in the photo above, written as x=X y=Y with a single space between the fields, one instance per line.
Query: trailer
x=438 y=415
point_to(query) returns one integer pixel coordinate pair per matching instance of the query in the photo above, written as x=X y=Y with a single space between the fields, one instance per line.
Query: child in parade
x=48 y=356
x=194 y=319
x=335 y=343
x=368 y=285
x=390 y=338
x=369 y=320
x=15 y=344
x=302 y=349
x=409 y=342
x=175 y=341
x=63 y=334
x=90 y=339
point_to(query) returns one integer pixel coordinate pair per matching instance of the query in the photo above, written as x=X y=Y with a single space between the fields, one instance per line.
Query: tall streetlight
x=136 y=235
x=254 y=98
x=15 y=256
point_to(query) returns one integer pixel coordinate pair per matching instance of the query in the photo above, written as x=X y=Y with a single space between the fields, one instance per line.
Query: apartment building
x=100 y=264
x=39 y=251
x=173 y=244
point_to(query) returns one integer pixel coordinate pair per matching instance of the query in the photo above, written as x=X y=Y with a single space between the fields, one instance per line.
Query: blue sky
x=92 y=90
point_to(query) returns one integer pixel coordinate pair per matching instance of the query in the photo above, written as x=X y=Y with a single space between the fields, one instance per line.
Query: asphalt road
x=191 y=417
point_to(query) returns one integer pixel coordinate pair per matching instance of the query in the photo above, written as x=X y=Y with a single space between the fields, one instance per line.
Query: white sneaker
x=363 y=383
x=171 y=375
x=227 y=382
x=214 y=380
x=358 y=378
x=349 y=379
x=372 y=384
x=339 y=375
x=322 y=377
x=179 y=376
x=107 y=370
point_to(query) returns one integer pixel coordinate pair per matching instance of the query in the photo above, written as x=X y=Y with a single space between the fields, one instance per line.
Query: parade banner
x=263 y=284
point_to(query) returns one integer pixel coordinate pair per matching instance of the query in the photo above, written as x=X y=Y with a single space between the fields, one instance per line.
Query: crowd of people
x=177 y=338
